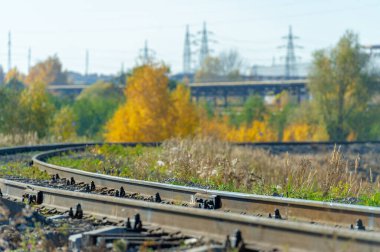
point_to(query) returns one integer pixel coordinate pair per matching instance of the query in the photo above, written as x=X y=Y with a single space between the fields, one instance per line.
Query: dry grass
x=219 y=165
x=255 y=170
x=32 y=139
x=24 y=139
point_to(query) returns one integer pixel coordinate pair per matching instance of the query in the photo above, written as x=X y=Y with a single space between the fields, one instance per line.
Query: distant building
x=278 y=71
x=78 y=78
x=181 y=77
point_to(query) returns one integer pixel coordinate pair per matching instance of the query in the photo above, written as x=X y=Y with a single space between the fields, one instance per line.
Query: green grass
x=18 y=165
x=21 y=170
x=220 y=166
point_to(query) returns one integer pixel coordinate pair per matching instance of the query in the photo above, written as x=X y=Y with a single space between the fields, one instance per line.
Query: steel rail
x=291 y=209
x=216 y=225
x=47 y=147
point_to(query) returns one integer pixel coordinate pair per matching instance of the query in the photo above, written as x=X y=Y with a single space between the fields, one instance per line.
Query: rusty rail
x=216 y=225
x=291 y=209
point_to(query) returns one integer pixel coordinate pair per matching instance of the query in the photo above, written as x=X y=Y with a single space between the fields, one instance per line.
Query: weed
x=219 y=165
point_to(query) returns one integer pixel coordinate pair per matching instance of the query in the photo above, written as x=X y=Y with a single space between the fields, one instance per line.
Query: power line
x=223 y=21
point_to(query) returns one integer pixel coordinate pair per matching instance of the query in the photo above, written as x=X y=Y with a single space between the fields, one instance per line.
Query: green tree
x=95 y=106
x=2 y=75
x=279 y=119
x=208 y=108
x=36 y=110
x=14 y=79
x=366 y=124
x=280 y=114
x=10 y=122
x=254 y=109
x=341 y=84
x=63 y=127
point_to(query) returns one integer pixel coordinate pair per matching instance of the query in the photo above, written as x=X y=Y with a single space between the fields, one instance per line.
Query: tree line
x=344 y=104
x=29 y=112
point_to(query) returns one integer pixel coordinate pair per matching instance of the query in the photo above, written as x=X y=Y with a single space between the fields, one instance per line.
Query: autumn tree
x=48 y=72
x=145 y=117
x=231 y=64
x=14 y=74
x=341 y=84
x=184 y=112
x=257 y=131
x=14 y=79
x=226 y=66
x=37 y=109
x=305 y=118
x=209 y=71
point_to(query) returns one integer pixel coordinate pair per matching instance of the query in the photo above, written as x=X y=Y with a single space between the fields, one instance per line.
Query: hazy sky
x=115 y=30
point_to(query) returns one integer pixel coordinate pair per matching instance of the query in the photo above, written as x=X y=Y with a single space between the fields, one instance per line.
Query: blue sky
x=114 y=30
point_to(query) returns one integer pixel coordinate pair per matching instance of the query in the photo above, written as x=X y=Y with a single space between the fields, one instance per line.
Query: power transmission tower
x=290 y=58
x=87 y=62
x=9 y=51
x=29 y=58
x=187 y=52
x=146 y=54
x=204 y=50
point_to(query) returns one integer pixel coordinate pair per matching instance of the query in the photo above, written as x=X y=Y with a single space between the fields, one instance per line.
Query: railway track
x=257 y=232
x=232 y=211
x=335 y=214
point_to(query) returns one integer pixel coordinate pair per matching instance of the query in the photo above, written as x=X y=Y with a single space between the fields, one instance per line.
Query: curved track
x=291 y=209
x=257 y=231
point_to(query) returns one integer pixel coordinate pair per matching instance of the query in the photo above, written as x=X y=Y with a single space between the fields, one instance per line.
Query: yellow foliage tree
x=145 y=117
x=213 y=127
x=304 y=132
x=257 y=131
x=47 y=72
x=184 y=112
x=14 y=75
x=297 y=132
